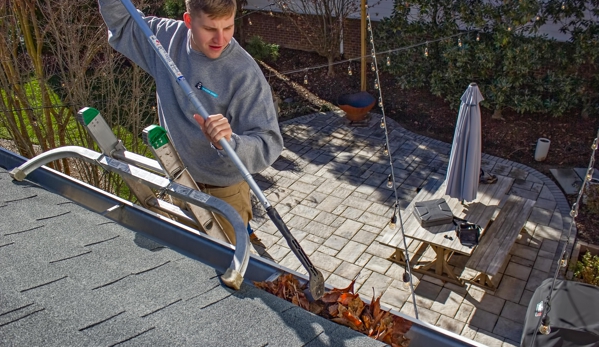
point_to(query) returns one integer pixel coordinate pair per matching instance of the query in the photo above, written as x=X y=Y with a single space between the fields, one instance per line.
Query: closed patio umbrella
x=463 y=171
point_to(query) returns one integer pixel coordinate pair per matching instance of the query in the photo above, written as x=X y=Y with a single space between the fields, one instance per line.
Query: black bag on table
x=467 y=232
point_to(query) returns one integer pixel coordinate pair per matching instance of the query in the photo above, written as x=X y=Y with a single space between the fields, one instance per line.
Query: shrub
x=261 y=50
x=587 y=269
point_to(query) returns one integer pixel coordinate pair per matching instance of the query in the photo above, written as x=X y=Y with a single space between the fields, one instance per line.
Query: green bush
x=501 y=51
x=587 y=269
x=261 y=50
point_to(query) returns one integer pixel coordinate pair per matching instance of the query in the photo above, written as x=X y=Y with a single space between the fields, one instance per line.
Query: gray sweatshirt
x=232 y=85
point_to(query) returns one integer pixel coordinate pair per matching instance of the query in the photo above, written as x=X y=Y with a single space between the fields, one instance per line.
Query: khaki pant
x=236 y=195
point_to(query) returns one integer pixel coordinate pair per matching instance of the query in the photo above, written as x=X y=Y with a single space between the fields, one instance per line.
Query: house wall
x=276 y=28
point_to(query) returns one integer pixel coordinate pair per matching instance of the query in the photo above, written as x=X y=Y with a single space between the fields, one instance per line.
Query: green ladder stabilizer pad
x=155 y=136
x=87 y=115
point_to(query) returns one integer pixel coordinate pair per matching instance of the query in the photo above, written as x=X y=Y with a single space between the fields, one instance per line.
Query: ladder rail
x=233 y=276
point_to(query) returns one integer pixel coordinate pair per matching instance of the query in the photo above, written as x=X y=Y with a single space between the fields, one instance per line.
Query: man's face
x=210 y=35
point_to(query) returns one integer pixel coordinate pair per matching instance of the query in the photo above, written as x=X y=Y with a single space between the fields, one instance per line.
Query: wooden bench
x=497 y=240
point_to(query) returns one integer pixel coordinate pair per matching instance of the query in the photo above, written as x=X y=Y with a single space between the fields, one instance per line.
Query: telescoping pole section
x=316 y=283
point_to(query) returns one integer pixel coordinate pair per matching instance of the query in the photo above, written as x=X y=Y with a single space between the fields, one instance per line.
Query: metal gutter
x=190 y=243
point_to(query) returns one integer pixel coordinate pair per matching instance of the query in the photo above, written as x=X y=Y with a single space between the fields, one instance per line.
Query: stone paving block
x=524 y=193
x=546 y=204
x=363 y=259
x=364 y=237
x=372 y=219
x=488 y=339
x=557 y=221
x=426 y=293
x=543 y=264
x=290 y=261
x=379 y=282
x=519 y=271
x=298 y=222
x=508 y=343
x=524 y=251
x=305 y=211
x=337 y=281
x=522 y=183
x=483 y=319
x=379 y=250
x=518 y=174
x=299 y=196
x=464 y=312
x=479 y=298
x=511 y=288
x=395 y=297
x=469 y=332
x=347 y=270
x=336 y=242
x=540 y=215
x=316 y=239
x=450 y=324
x=363 y=276
x=524 y=262
x=433 y=280
x=507 y=328
x=535 y=279
x=546 y=232
x=361 y=204
x=329 y=204
x=447 y=303
x=319 y=229
x=328 y=186
x=327 y=250
x=526 y=296
x=348 y=229
x=549 y=246
x=326 y=218
x=324 y=261
x=278 y=252
x=314 y=199
x=308 y=246
x=341 y=192
x=514 y=312
x=352 y=213
x=379 y=209
x=424 y=314
x=377 y=264
x=351 y=252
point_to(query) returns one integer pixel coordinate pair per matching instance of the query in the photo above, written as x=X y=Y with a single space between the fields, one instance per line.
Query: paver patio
x=330 y=187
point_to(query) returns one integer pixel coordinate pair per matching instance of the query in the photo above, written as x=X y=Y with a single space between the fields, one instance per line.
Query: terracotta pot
x=356 y=105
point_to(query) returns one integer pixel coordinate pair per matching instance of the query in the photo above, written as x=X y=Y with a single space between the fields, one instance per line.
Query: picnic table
x=442 y=239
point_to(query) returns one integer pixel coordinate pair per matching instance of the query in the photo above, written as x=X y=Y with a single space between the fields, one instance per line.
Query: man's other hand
x=215 y=128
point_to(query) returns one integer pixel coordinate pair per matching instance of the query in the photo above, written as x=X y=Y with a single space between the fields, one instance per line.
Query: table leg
x=438 y=267
x=483 y=280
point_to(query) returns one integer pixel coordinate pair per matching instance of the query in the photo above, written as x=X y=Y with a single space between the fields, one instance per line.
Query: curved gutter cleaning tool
x=316 y=284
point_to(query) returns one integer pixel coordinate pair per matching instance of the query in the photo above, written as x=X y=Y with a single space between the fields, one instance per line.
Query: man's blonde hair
x=213 y=8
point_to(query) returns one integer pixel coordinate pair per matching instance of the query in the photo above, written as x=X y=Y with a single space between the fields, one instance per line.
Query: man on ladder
x=228 y=83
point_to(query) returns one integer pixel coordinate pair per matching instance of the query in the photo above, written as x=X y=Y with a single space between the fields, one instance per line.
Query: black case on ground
x=433 y=212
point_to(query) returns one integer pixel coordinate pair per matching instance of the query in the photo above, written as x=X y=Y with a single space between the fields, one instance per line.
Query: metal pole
x=363 y=47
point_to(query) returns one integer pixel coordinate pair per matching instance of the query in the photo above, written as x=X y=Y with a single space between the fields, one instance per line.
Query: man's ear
x=187 y=20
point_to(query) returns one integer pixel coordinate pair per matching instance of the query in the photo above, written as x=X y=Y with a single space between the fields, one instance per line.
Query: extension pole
x=316 y=283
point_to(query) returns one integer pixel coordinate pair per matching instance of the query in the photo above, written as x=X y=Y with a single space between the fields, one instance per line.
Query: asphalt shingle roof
x=70 y=276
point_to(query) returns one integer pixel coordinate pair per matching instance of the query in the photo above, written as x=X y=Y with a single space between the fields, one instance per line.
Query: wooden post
x=363 y=46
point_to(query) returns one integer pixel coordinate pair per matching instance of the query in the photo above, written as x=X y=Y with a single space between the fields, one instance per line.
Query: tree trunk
x=331 y=71
x=497 y=114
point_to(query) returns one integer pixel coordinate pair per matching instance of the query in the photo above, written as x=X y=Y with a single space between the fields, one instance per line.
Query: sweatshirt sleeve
x=254 y=117
x=125 y=36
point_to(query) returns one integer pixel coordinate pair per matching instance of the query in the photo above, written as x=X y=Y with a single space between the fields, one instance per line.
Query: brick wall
x=277 y=29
